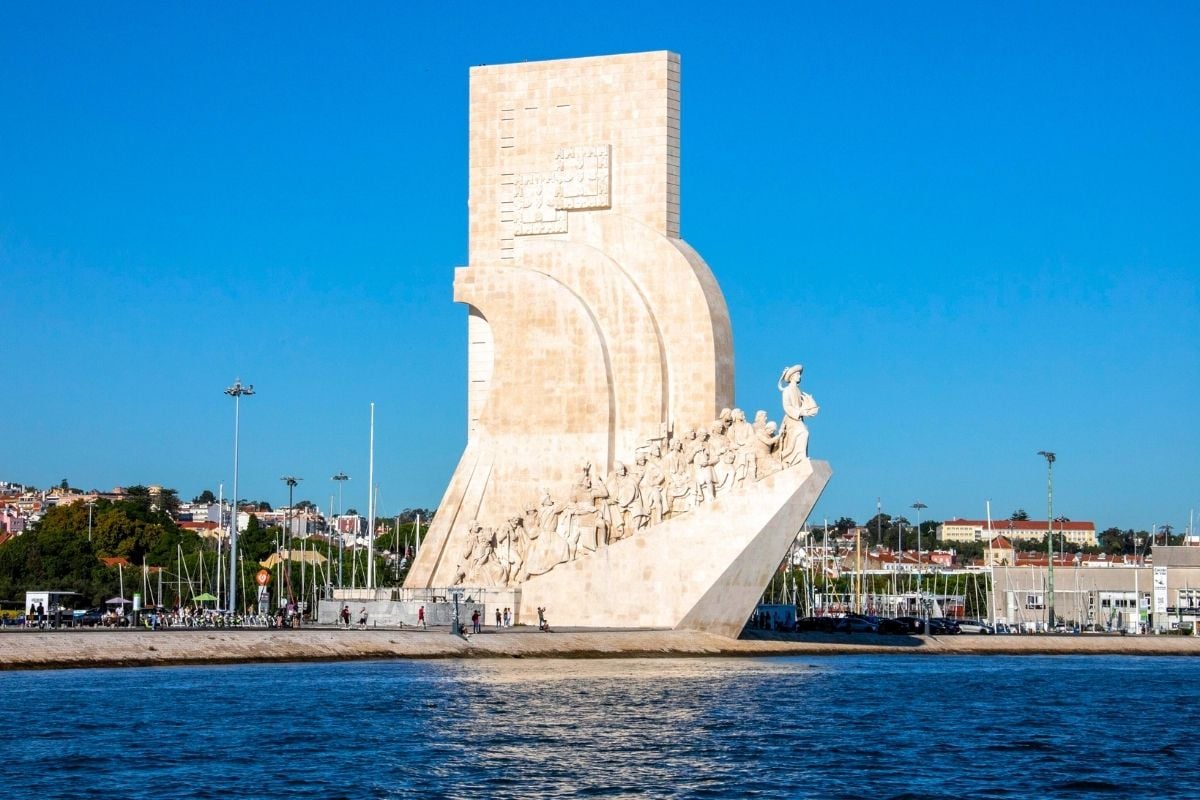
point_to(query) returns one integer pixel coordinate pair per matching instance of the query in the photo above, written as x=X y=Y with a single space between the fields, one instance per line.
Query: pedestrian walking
x=507 y=618
x=499 y=619
x=31 y=617
x=362 y=618
x=421 y=618
x=346 y=615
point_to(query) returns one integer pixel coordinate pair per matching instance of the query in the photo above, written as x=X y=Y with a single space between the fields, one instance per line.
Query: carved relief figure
x=764 y=445
x=797 y=406
x=652 y=486
x=584 y=521
x=510 y=549
x=741 y=439
x=546 y=549
x=630 y=514
x=478 y=565
x=724 y=472
x=702 y=475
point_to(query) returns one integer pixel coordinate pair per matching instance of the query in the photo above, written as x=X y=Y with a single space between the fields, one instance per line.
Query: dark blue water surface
x=845 y=726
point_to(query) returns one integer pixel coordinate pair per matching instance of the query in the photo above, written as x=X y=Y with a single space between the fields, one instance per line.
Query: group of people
x=36 y=618
x=670 y=475
x=344 y=615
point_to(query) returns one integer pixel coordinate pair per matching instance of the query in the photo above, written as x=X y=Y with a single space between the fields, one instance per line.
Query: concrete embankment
x=88 y=648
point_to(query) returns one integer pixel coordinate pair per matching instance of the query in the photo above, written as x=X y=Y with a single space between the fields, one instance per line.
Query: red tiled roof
x=202 y=526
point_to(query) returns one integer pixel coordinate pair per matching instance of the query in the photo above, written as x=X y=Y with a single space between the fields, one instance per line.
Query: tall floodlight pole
x=341 y=478
x=90 y=504
x=1050 y=459
x=371 y=511
x=237 y=391
x=924 y=607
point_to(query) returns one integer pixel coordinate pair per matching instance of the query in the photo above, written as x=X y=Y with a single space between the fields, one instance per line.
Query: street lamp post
x=287 y=530
x=341 y=478
x=1050 y=459
x=924 y=606
x=237 y=391
x=90 y=504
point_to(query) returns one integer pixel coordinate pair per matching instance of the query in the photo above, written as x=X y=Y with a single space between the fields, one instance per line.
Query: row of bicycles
x=215 y=620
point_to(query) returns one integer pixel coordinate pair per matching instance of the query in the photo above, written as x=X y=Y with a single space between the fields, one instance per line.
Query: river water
x=821 y=727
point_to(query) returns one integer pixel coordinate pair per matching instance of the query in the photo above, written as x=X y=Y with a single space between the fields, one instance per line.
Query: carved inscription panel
x=580 y=180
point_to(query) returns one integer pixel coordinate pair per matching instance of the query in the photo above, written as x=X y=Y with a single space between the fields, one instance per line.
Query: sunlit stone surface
x=599 y=340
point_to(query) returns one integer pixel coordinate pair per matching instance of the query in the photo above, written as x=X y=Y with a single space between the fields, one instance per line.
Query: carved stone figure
x=764 y=446
x=741 y=438
x=584 y=521
x=478 y=565
x=546 y=549
x=629 y=513
x=702 y=475
x=652 y=485
x=511 y=544
x=725 y=473
x=797 y=406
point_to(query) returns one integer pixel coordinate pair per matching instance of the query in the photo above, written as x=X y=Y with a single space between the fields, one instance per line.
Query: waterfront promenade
x=106 y=648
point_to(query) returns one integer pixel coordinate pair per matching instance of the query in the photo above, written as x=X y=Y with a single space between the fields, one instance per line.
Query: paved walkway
x=30 y=649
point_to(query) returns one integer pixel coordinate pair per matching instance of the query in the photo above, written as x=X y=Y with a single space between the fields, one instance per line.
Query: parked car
x=974 y=626
x=90 y=618
x=821 y=624
x=941 y=626
x=902 y=625
x=856 y=624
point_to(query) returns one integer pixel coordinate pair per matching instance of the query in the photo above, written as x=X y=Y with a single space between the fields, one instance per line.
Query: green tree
x=1020 y=515
x=257 y=542
x=878 y=527
x=205 y=497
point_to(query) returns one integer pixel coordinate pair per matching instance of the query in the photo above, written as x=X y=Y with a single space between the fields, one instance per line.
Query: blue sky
x=975 y=224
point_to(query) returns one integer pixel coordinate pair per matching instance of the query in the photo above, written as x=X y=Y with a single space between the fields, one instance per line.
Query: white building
x=1079 y=534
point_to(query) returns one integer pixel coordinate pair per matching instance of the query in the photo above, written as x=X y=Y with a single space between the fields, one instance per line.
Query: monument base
x=704 y=570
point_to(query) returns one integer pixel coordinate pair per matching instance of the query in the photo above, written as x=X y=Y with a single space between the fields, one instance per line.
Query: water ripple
x=843 y=727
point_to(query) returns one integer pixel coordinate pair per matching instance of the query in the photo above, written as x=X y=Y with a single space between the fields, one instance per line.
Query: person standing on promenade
x=499 y=619
x=346 y=616
x=475 y=626
x=31 y=617
x=421 y=618
x=507 y=618
x=41 y=615
x=362 y=618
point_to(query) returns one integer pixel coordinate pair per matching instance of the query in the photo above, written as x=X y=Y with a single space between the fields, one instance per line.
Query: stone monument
x=607 y=477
